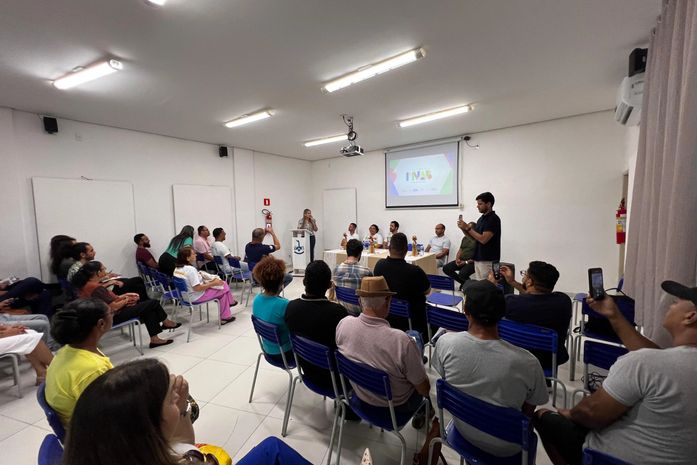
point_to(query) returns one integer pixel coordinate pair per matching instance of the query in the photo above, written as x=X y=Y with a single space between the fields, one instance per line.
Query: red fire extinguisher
x=621 y=226
x=267 y=218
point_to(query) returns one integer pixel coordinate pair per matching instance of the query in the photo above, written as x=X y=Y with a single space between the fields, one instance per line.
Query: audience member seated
x=79 y=326
x=480 y=364
x=18 y=339
x=143 y=255
x=219 y=249
x=369 y=339
x=350 y=273
x=82 y=252
x=168 y=260
x=202 y=245
x=350 y=234
x=269 y=306
x=463 y=266
x=204 y=287
x=61 y=255
x=537 y=304
x=408 y=281
x=644 y=413
x=374 y=236
x=394 y=229
x=38 y=323
x=439 y=245
x=27 y=292
x=125 y=307
x=256 y=250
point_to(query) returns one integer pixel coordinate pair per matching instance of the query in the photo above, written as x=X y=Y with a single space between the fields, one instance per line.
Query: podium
x=300 y=248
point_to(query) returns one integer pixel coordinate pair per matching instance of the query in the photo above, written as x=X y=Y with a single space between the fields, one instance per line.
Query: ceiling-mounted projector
x=353 y=149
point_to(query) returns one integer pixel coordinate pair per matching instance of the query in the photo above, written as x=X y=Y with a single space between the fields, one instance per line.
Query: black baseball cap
x=485 y=302
x=680 y=291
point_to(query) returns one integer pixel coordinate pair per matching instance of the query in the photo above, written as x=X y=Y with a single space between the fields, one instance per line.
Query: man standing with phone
x=487 y=234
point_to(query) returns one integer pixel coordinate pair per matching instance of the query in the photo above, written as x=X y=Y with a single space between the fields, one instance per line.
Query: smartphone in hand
x=596 y=287
x=496 y=270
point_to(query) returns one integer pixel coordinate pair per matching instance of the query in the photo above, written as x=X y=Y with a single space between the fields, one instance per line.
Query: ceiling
x=193 y=64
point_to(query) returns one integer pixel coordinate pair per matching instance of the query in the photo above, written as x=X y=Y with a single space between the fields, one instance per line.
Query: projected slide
x=422 y=177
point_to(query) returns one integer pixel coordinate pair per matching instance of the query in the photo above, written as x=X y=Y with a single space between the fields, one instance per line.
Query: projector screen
x=422 y=177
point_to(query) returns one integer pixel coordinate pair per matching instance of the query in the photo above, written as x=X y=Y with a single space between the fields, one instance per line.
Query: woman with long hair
x=269 y=306
x=79 y=326
x=88 y=280
x=202 y=290
x=138 y=414
x=168 y=260
x=60 y=249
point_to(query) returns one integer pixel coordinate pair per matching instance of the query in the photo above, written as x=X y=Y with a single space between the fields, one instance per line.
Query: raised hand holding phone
x=596 y=287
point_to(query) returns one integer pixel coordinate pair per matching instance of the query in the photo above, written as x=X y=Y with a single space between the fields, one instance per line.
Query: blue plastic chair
x=443 y=283
x=164 y=287
x=181 y=287
x=533 y=337
x=377 y=382
x=132 y=325
x=51 y=415
x=347 y=295
x=200 y=260
x=322 y=357
x=507 y=424
x=600 y=355
x=400 y=308
x=443 y=318
x=51 y=451
x=270 y=333
x=244 y=276
x=594 y=457
x=225 y=275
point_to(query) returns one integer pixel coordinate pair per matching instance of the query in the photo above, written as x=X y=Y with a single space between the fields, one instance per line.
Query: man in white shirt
x=219 y=249
x=440 y=245
x=350 y=234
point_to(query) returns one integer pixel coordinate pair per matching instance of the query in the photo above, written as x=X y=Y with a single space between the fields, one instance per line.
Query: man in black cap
x=480 y=364
x=644 y=413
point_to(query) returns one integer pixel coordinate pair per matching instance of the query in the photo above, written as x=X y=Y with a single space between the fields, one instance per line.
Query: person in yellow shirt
x=79 y=326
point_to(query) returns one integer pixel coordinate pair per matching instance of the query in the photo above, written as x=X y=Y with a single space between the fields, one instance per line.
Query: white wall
x=557 y=185
x=152 y=163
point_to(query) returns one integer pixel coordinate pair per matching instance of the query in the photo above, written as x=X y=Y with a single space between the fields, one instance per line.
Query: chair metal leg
x=289 y=403
x=191 y=321
x=338 y=408
x=403 y=450
x=16 y=374
x=430 y=446
x=341 y=434
x=256 y=372
x=140 y=339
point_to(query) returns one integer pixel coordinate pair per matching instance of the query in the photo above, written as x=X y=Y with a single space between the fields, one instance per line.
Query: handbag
x=421 y=457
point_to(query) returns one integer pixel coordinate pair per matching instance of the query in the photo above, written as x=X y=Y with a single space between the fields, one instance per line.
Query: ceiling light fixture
x=157 y=2
x=246 y=119
x=373 y=70
x=326 y=140
x=434 y=116
x=83 y=75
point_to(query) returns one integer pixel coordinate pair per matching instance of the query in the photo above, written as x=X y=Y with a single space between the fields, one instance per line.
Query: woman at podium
x=309 y=223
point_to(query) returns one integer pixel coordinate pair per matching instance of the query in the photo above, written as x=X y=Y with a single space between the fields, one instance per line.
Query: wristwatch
x=187 y=411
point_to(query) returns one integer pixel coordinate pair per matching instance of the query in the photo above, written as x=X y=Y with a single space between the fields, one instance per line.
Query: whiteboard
x=210 y=206
x=339 y=210
x=99 y=212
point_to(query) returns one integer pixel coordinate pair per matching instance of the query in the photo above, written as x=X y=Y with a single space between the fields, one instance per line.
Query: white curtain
x=662 y=239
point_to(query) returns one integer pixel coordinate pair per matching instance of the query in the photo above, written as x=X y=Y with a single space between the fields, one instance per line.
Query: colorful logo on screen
x=418 y=175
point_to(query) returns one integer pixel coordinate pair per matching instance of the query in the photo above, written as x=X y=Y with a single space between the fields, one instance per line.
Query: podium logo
x=299 y=249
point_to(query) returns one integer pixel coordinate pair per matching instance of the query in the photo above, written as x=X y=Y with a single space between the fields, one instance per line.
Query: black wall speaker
x=637 y=61
x=50 y=125
x=222 y=151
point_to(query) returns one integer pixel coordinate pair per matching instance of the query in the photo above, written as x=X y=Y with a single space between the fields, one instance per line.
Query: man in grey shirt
x=480 y=364
x=644 y=413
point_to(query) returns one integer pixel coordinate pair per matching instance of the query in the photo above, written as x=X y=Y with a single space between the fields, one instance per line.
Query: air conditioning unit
x=629 y=97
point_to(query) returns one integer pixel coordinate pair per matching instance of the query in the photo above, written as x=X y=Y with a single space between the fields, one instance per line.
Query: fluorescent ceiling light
x=90 y=73
x=434 y=116
x=245 y=119
x=373 y=70
x=326 y=140
x=157 y=2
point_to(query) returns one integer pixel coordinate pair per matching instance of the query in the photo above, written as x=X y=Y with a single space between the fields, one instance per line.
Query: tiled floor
x=219 y=366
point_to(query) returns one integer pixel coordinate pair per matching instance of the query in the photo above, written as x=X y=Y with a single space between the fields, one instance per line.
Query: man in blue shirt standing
x=487 y=234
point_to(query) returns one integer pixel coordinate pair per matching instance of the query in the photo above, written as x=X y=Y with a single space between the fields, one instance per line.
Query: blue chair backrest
x=200 y=257
x=399 y=307
x=528 y=337
x=67 y=288
x=504 y=423
x=235 y=263
x=593 y=457
x=267 y=331
x=251 y=265
x=347 y=294
x=313 y=352
x=180 y=285
x=218 y=260
x=601 y=355
x=624 y=303
x=448 y=319
x=51 y=415
x=369 y=378
x=51 y=451
x=163 y=279
x=445 y=283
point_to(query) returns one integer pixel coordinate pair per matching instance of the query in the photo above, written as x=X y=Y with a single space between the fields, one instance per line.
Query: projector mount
x=352 y=149
x=351 y=135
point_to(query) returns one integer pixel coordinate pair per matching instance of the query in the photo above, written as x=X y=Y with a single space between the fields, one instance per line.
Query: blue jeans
x=40 y=297
x=272 y=451
x=416 y=336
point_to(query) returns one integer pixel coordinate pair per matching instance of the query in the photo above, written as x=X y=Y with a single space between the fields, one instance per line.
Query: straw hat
x=374 y=286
